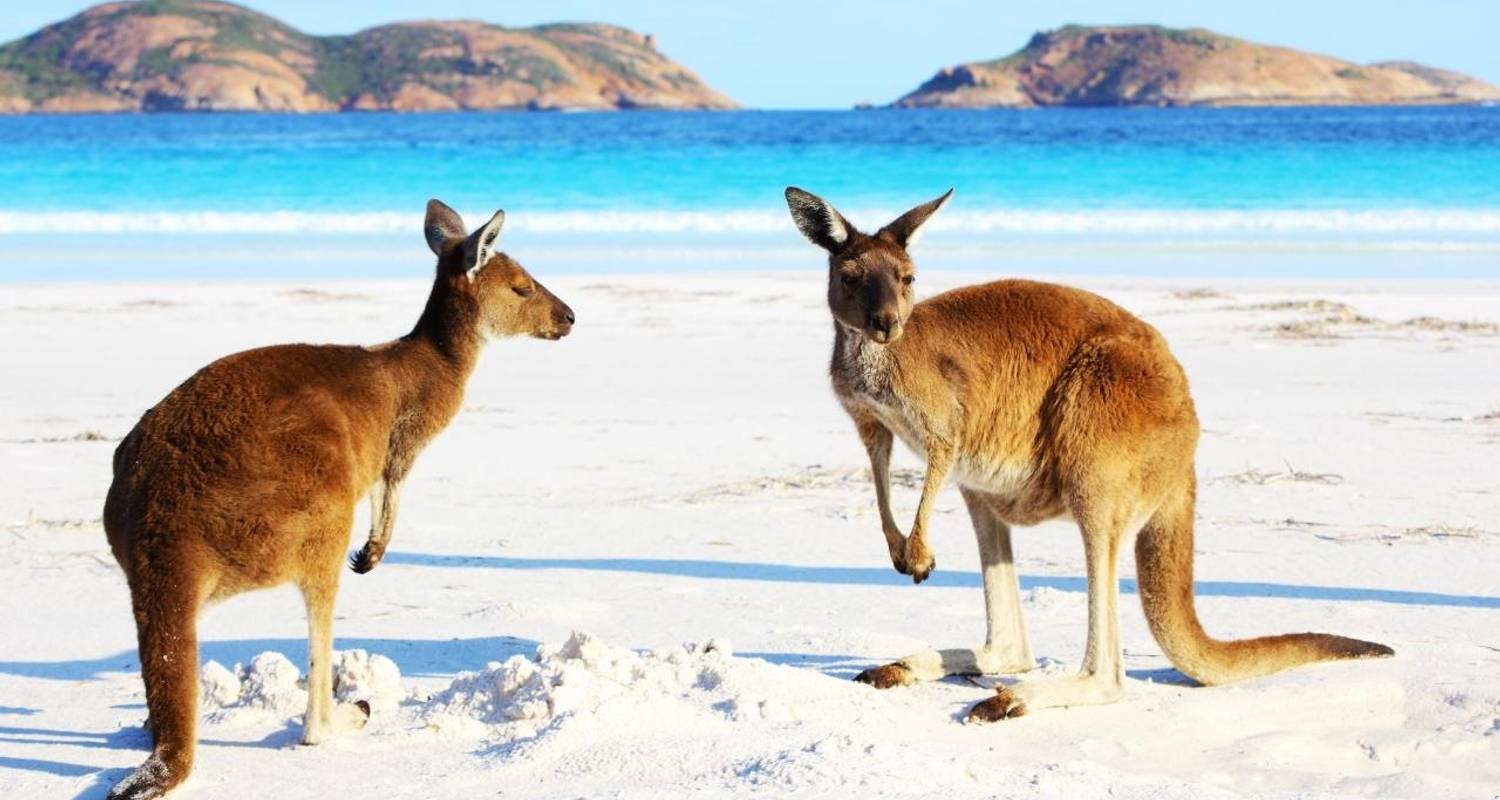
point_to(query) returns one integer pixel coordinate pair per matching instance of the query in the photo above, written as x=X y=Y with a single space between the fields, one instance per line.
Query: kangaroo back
x=1164 y=563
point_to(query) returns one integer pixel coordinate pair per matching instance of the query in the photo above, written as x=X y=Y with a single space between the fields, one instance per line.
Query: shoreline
x=144 y=258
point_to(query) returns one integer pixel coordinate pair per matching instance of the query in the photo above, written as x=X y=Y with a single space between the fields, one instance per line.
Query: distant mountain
x=203 y=55
x=1148 y=65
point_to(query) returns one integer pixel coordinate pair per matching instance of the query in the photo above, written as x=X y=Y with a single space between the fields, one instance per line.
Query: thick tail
x=167 y=628
x=1164 y=564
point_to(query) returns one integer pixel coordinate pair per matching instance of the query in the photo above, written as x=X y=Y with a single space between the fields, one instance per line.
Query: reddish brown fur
x=246 y=476
x=1042 y=401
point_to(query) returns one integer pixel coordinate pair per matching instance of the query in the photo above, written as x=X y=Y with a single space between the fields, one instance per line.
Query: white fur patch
x=484 y=247
x=836 y=230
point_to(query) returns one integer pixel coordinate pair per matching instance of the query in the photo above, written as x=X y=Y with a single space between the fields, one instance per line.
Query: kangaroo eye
x=524 y=291
x=908 y=279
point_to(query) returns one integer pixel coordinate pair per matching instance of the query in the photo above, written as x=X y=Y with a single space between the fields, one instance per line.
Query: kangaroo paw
x=366 y=558
x=919 y=560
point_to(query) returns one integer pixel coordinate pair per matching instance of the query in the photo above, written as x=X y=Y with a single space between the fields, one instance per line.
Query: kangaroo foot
x=151 y=779
x=888 y=676
x=345 y=718
x=1004 y=705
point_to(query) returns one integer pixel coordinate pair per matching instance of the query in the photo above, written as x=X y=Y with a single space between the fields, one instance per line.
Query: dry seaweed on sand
x=1257 y=477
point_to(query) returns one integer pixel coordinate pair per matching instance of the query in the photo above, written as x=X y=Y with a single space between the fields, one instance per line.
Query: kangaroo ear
x=480 y=246
x=442 y=226
x=819 y=221
x=908 y=227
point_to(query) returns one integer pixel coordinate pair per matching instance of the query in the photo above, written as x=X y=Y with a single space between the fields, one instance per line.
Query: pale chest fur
x=864 y=378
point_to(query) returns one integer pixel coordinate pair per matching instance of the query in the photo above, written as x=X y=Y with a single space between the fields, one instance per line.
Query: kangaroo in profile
x=246 y=476
x=1042 y=402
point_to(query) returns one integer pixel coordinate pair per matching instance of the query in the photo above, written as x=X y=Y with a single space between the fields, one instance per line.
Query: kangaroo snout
x=562 y=323
x=884 y=326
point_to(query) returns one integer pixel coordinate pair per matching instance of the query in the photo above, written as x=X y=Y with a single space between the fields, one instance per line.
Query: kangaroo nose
x=568 y=315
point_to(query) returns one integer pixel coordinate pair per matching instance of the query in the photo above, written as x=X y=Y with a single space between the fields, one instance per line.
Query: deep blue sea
x=1322 y=191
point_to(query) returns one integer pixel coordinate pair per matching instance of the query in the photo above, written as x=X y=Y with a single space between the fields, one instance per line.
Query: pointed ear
x=481 y=244
x=443 y=225
x=819 y=221
x=908 y=227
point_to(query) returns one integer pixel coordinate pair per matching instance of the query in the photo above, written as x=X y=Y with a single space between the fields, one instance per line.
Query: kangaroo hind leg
x=1006 y=649
x=325 y=717
x=1101 y=678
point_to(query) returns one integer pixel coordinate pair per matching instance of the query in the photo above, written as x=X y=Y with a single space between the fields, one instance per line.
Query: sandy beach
x=678 y=472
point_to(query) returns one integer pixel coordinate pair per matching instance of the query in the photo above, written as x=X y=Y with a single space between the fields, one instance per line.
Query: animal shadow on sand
x=884 y=576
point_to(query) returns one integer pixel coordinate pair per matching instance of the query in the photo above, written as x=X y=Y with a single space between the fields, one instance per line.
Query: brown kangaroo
x=246 y=476
x=1042 y=402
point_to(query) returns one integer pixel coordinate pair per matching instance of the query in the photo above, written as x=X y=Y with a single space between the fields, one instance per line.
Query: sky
x=835 y=53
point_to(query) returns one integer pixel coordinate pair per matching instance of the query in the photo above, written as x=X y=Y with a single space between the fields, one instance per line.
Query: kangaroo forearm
x=939 y=461
x=877 y=440
x=880 y=470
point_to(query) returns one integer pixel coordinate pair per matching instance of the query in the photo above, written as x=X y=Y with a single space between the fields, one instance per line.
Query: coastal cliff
x=1148 y=65
x=203 y=55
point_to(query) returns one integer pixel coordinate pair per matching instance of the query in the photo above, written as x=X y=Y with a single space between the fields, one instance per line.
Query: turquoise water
x=1284 y=191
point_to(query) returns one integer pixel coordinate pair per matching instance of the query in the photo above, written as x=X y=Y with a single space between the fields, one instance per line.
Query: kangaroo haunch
x=247 y=475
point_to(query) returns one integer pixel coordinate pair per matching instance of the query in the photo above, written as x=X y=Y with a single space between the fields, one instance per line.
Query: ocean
x=1322 y=192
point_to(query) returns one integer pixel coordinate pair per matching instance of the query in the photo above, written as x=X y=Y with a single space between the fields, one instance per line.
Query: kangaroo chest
x=863 y=376
x=866 y=379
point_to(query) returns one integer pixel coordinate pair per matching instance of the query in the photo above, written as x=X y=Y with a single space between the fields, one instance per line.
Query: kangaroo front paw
x=1004 y=705
x=888 y=676
x=366 y=558
x=919 y=560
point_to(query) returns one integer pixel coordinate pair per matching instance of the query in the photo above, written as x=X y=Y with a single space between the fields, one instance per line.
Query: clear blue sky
x=834 y=53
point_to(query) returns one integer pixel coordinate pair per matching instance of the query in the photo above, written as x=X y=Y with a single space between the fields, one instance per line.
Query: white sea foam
x=1129 y=222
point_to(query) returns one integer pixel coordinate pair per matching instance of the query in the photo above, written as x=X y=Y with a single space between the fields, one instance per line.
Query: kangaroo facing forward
x=246 y=476
x=1042 y=402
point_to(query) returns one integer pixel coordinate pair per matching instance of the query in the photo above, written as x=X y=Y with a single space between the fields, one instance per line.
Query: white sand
x=678 y=472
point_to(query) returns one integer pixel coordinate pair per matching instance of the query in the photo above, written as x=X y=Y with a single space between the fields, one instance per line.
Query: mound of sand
x=272 y=684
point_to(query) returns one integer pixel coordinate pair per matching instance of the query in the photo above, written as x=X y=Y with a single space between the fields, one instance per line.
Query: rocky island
x=204 y=55
x=1149 y=65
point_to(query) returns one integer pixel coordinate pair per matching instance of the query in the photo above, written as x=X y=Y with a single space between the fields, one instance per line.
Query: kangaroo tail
x=1164 y=564
x=167 y=627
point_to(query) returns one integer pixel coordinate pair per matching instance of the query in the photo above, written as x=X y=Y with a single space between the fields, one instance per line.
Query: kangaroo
x=246 y=476
x=1042 y=402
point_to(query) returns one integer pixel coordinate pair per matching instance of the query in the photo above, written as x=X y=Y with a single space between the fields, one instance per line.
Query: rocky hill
x=203 y=55
x=1154 y=66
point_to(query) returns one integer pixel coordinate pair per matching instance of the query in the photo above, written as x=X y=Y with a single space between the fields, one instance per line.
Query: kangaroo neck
x=435 y=360
x=449 y=327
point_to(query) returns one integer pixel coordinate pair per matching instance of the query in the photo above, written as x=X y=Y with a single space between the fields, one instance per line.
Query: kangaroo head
x=508 y=300
x=869 y=276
